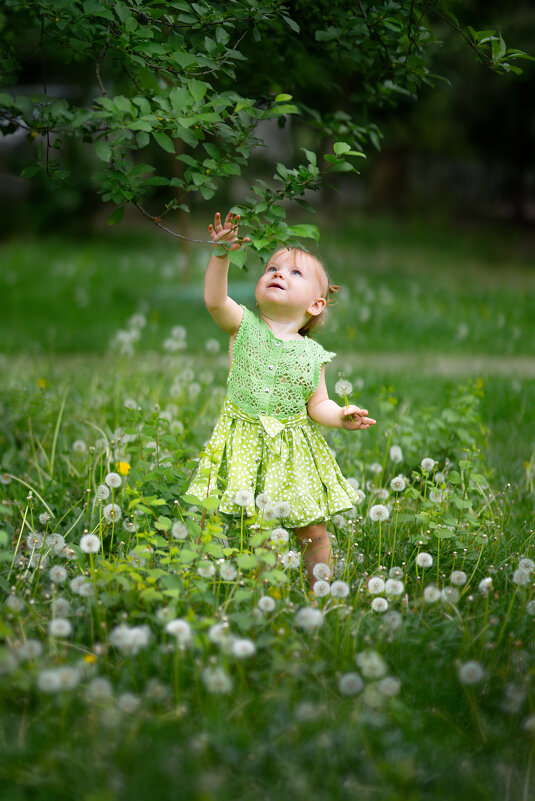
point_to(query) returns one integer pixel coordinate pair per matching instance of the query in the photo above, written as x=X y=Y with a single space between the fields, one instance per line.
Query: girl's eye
x=296 y=272
x=269 y=269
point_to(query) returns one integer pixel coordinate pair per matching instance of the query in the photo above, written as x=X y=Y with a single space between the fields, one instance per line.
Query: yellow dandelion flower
x=122 y=468
x=90 y=659
x=42 y=383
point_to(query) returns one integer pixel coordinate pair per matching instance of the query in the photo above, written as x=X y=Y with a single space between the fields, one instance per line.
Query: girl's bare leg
x=315 y=546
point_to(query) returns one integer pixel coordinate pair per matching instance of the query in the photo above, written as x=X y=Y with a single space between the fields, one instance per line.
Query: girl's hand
x=226 y=232
x=352 y=418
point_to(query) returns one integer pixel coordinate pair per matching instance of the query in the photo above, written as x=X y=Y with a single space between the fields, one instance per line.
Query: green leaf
x=163 y=523
x=247 y=561
x=341 y=147
x=116 y=216
x=305 y=230
x=164 y=141
x=237 y=257
x=291 y=23
x=198 y=89
x=282 y=98
x=211 y=503
x=180 y=98
x=103 y=151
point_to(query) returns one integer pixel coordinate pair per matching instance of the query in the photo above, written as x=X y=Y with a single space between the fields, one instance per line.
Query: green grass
x=285 y=731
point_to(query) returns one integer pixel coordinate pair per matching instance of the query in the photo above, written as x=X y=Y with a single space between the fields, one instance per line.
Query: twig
x=156 y=221
x=97 y=65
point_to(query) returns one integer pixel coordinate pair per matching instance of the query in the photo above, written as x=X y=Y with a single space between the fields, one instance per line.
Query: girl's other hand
x=227 y=231
x=353 y=418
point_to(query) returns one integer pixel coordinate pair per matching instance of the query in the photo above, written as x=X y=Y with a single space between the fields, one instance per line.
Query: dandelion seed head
x=128 y=703
x=526 y=564
x=431 y=593
x=459 y=578
x=470 y=672
x=350 y=684
x=90 y=543
x=308 y=618
x=321 y=588
x=44 y=518
x=379 y=604
x=14 y=603
x=379 y=512
x=79 y=446
x=113 y=480
x=263 y=500
x=353 y=482
x=339 y=589
x=389 y=685
x=179 y=530
x=244 y=498
x=242 y=647
x=394 y=586
x=102 y=493
x=396 y=454
x=99 y=689
x=206 y=569
x=228 y=571
x=180 y=629
x=266 y=603
x=343 y=387
x=111 y=512
x=321 y=570
x=427 y=464
x=382 y=493
x=291 y=559
x=216 y=680
x=375 y=585
x=424 y=559
x=376 y=468
x=29 y=649
x=57 y=574
x=371 y=664
x=393 y=619
x=521 y=577
x=450 y=595
x=279 y=536
x=398 y=483
x=60 y=627
x=485 y=586
x=282 y=509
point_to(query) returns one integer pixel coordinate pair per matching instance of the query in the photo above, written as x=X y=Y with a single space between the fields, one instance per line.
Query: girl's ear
x=317 y=307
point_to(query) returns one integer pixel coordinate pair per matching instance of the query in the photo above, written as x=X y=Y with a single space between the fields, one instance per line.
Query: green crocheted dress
x=264 y=440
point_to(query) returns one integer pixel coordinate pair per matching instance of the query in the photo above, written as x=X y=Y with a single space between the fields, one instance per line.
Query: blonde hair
x=328 y=290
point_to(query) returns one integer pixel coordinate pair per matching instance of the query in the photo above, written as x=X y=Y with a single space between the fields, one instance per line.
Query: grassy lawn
x=423 y=693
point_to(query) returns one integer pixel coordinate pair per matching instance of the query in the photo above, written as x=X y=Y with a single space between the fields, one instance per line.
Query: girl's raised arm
x=225 y=311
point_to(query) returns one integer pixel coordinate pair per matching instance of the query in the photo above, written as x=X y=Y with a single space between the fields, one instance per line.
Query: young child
x=263 y=442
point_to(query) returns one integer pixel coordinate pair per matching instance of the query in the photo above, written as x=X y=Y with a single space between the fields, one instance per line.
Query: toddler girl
x=263 y=447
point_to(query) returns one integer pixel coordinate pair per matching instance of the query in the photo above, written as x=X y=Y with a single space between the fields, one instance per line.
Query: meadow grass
x=181 y=664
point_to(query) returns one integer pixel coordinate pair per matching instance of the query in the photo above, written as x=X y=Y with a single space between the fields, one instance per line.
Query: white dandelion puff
x=111 y=512
x=424 y=559
x=218 y=633
x=79 y=446
x=485 y=586
x=266 y=603
x=394 y=586
x=216 y=680
x=113 y=480
x=393 y=619
x=521 y=577
x=376 y=468
x=308 y=618
x=44 y=518
x=375 y=585
x=102 y=492
x=353 y=482
x=379 y=512
x=361 y=496
x=212 y=346
x=90 y=543
x=470 y=672
x=459 y=578
x=396 y=454
x=321 y=570
x=263 y=500
x=57 y=574
x=398 y=483
x=34 y=539
x=206 y=569
x=291 y=559
x=427 y=464
x=379 y=604
x=530 y=607
x=242 y=647
x=382 y=493
x=431 y=593
x=524 y=564
x=128 y=703
x=180 y=629
x=244 y=498
x=99 y=689
x=321 y=588
x=279 y=536
x=371 y=664
x=228 y=571
x=343 y=387
x=179 y=530
x=282 y=509
x=339 y=589
x=389 y=685
x=450 y=595
x=60 y=627
x=350 y=684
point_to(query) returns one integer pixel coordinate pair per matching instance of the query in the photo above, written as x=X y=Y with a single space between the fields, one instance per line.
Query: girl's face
x=290 y=287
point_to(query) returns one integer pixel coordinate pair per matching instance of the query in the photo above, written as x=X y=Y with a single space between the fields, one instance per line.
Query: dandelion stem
x=56 y=433
x=18 y=541
x=475 y=714
x=502 y=628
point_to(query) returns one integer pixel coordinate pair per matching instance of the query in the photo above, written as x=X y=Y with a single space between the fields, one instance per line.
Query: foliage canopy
x=133 y=78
